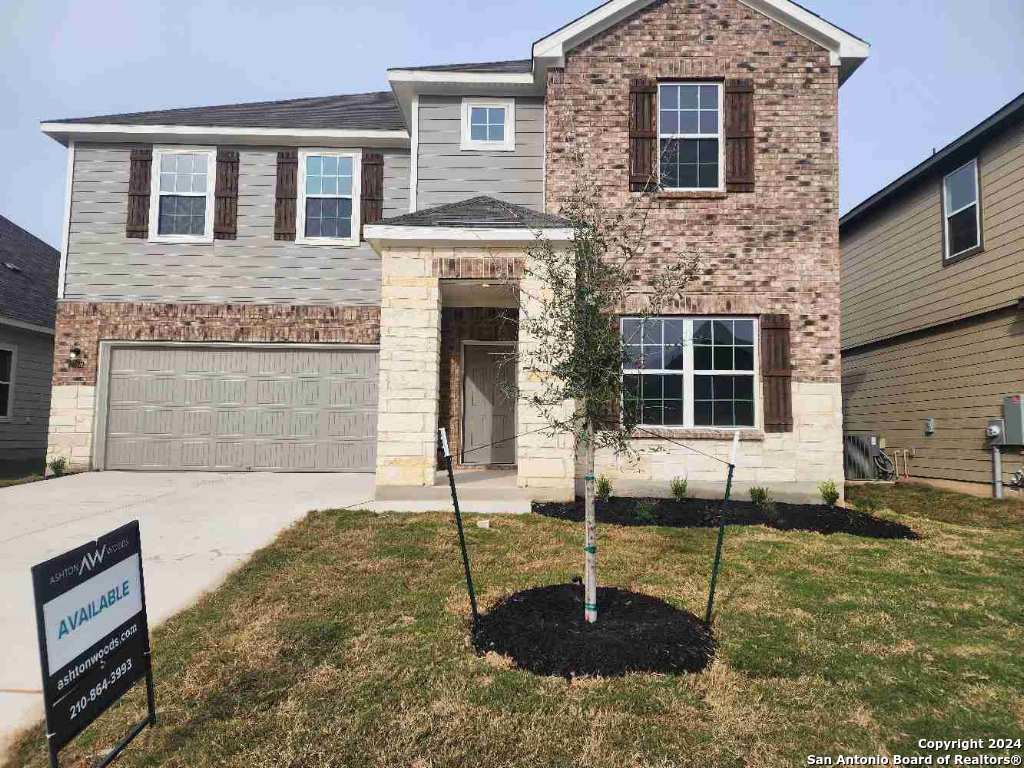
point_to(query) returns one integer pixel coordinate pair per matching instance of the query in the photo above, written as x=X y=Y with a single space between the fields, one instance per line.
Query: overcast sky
x=937 y=67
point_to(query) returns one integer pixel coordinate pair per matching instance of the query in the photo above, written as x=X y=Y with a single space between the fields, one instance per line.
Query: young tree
x=579 y=352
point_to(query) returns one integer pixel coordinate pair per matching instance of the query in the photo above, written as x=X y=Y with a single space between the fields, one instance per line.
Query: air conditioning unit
x=859 y=453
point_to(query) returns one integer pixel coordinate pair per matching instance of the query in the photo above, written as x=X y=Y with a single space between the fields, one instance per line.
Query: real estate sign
x=93 y=633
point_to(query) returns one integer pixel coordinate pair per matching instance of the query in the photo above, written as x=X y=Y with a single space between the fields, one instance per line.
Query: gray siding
x=958 y=375
x=104 y=265
x=893 y=276
x=23 y=438
x=448 y=174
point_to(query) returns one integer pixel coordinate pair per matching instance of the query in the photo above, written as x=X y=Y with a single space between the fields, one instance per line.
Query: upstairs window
x=488 y=124
x=961 y=211
x=689 y=372
x=6 y=382
x=690 y=135
x=183 y=181
x=328 y=197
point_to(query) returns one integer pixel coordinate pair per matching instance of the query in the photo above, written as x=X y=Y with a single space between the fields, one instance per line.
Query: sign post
x=93 y=635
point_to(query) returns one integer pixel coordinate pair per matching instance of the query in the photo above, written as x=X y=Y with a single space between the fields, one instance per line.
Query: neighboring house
x=933 y=301
x=318 y=284
x=28 y=295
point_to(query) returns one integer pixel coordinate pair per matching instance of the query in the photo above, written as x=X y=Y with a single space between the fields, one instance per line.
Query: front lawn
x=345 y=643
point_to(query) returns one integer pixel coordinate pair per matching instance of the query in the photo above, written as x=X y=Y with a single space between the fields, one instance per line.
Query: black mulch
x=701 y=513
x=543 y=631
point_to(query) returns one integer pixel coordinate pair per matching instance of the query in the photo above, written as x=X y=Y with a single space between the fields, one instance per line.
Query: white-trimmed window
x=961 y=211
x=690 y=145
x=8 y=357
x=181 y=208
x=328 y=203
x=690 y=371
x=489 y=124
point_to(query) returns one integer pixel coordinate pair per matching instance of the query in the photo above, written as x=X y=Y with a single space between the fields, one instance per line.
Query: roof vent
x=12 y=267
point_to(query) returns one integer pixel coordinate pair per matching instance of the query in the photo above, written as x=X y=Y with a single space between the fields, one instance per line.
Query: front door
x=488 y=405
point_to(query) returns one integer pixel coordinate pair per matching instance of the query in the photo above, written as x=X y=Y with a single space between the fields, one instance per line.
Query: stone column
x=410 y=346
x=546 y=462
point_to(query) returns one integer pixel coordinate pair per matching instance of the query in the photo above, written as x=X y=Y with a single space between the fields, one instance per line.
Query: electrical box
x=1013 y=415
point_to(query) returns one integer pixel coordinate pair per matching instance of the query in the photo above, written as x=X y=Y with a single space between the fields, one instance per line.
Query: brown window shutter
x=225 y=211
x=776 y=373
x=643 y=135
x=137 y=222
x=287 y=186
x=739 y=135
x=372 y=192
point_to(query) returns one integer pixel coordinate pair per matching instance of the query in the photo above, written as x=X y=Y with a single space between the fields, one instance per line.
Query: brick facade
x=457 y=326
x=773 y=250
x=85 y=324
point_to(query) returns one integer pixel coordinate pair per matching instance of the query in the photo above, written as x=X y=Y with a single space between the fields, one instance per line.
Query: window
x=690 y=372
x=183 y=188
x=962 y=213
x=689 y=135
x=6 y=382
x=329 y=197
x=488 y=124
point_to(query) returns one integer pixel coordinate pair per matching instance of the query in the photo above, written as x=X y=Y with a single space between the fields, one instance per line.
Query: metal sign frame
x=86 y=684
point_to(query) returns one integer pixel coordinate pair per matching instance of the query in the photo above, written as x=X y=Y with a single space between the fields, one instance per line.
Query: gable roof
x=949 y=157
x=847 y=51
x=356 y=111
x=28 y=292
x=512 y=66
x=481 y=212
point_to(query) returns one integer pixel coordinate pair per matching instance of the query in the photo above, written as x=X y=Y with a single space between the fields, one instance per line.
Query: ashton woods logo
x=90 y=561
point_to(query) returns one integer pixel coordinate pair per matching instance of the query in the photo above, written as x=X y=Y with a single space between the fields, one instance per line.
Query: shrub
x=829 y=492
x=645 y=511
x=604 y=489
x=58 y=466
x=679 y=488
x=762 y=500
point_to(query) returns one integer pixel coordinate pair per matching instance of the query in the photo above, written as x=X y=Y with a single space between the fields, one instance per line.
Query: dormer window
x=488 y=124
x=182 y=205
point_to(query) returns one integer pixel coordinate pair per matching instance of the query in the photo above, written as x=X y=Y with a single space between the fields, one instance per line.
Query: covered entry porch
x=454 y=286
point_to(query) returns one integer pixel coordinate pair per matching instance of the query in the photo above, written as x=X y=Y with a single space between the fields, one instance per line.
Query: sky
x=937 y=68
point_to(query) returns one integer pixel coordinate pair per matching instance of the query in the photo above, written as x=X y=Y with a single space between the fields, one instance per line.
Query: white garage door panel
x=241 y=409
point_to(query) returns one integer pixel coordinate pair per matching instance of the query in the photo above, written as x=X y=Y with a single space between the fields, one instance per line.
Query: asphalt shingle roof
x=478 y=212
x=28 y=293
x=358 y=111
x=515 y=66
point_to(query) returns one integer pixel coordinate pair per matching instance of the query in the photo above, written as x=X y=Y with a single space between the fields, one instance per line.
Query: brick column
x=410 y=348
x=546 y=462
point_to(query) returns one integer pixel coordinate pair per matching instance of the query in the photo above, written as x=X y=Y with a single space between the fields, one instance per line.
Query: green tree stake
x=458 y=522
x=721 y=530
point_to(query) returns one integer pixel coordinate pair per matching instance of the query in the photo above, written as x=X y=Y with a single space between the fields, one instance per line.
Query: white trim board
x=64 y=132
x=13 y=349
x=385 y=233
x=65 y=236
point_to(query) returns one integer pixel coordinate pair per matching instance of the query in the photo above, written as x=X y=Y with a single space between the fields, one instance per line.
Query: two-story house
x=933 y=296
x=318 y=284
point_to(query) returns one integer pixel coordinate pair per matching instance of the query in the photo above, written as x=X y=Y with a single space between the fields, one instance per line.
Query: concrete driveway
x=196 y=528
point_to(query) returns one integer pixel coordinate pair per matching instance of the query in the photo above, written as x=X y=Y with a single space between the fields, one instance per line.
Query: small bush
x=58 y=466
x=679 y=488
x=829 y=492
x=645 y=511
x=604 y=489
x=762 y=500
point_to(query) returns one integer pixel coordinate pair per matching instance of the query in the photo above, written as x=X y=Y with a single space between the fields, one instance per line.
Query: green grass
x=345 y=644
x=6 y=482
x=921 y=500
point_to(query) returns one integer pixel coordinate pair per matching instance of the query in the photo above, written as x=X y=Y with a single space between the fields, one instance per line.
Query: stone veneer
x=774 y=250
x=85 y=324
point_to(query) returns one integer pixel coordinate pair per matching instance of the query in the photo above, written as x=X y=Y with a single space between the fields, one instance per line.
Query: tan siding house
x=933 y=325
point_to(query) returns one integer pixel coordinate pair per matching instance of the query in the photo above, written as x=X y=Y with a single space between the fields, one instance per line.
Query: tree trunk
x=590 y=524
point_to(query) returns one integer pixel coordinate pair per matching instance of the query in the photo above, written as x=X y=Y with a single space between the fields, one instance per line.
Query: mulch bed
x=543 y=631
x=701 y=513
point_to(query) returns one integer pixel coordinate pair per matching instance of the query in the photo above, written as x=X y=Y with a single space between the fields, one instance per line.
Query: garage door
x=269 y=408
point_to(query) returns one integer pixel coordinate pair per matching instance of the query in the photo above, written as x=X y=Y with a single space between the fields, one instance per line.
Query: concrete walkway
x=196 y=528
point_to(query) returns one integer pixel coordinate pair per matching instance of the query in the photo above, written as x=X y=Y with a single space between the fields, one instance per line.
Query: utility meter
x=996 y=432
